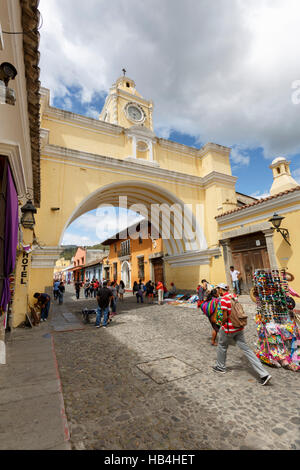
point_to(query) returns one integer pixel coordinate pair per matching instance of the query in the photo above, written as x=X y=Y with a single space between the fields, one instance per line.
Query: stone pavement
x=32 y=415
x=146 y=382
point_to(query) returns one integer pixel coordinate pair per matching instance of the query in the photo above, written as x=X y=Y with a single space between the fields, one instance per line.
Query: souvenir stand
x=278 y=333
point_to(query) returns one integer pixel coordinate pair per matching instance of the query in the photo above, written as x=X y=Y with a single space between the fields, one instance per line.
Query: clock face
x=135 y=113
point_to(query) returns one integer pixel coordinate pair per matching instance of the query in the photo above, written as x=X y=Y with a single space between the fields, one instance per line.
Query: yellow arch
x=147 y=194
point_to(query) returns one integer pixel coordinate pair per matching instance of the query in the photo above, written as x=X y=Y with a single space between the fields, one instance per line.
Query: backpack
x=238 y=317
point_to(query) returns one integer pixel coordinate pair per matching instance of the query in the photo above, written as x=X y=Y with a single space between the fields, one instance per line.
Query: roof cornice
x=262 y=206
x=57 y=114
x=30 y=22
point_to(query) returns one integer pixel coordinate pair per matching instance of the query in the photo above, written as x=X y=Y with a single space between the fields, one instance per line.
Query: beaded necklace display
x=271 y=289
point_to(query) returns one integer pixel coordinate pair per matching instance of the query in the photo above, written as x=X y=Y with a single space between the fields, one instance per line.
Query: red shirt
x=160 y=286
x=226 y=305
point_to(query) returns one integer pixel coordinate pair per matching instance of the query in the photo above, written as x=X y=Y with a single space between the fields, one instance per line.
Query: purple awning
x=11 y=236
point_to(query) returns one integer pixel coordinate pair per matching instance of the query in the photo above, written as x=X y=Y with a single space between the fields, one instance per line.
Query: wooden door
x=158 y=269
x=247 y=262
x=249 y=252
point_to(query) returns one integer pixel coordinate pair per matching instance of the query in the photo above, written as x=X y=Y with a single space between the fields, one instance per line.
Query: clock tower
x=125 y=107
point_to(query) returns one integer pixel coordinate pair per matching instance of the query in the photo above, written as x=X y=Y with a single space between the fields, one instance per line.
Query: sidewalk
x=32 y=415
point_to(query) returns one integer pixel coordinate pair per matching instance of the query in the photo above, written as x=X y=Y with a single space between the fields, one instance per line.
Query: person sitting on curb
x=173 y=290
x=43 y=301
x=229 y=332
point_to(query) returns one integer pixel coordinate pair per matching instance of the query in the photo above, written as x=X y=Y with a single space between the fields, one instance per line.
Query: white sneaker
x=265 y=380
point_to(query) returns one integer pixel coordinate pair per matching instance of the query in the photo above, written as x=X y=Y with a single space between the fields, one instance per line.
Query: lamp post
x=28 y=211
x=276 y=222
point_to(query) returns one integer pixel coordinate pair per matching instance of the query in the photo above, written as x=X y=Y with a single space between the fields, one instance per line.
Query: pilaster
x=228 y=261
x=269 y=234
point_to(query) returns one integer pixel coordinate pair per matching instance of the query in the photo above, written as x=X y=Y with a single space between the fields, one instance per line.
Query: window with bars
x=125 y=248
x=141 y=268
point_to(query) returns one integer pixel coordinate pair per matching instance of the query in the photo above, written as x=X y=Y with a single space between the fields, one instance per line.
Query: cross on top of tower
x=124 y=71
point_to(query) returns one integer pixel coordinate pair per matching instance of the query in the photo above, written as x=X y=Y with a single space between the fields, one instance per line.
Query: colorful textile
x=209 y=308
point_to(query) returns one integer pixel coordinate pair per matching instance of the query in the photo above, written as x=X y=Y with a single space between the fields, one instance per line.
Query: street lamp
x=276 y=222
x=7 y=72
x=27 y=219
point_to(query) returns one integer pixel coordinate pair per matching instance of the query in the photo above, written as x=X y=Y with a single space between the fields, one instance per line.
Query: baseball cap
x=222 y=286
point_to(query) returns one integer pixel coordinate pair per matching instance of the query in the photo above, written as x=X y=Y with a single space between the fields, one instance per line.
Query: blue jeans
x=114 y=305
x=224 y=341
x=139 y=296
x=105 y=312
x=236 y=286
x=45 y=311
x=60 y=298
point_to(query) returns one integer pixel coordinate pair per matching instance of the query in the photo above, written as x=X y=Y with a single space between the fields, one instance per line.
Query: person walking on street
x=43 y=301
x=202 y=290
x=61 y=291
x=210 y=308
x=92 y=287
x=114 y=290
x=230 y=332
x=55 y=289
x=77 y=289
x=160 y=292
x=87 y=288
x=104 y=297
x=121 y=290
x=150 y=292
x=235 y=276
x=140 y=293
x=135 y=288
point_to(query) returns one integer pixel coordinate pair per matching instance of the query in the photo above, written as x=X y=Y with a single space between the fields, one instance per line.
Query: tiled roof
x=259 y=201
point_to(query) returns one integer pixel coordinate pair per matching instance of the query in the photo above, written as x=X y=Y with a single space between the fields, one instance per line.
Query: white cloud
x=260 y=195
x=239 y=157
x=296 y=175
x=96 y=226
x=220 y=71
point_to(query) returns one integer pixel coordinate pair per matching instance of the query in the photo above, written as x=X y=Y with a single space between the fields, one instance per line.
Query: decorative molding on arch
x=192 y=258
x=46 y=257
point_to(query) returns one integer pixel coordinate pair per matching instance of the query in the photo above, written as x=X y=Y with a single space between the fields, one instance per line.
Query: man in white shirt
x=235 y=276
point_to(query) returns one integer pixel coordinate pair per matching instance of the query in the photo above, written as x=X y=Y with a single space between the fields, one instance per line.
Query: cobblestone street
x=115 y=400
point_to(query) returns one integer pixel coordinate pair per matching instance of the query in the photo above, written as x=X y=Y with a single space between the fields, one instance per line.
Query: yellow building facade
x=87 y=162
x=118 y=160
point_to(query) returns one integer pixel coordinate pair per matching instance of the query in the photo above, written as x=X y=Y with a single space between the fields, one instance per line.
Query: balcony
x=123 y=253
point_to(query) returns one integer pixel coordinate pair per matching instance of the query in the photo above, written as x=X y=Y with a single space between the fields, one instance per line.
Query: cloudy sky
x=223 y=71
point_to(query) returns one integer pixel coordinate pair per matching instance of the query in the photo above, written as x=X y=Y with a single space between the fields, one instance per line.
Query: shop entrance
x=249 y=252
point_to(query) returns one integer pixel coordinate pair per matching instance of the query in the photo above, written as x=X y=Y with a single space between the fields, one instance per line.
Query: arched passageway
x=185 y=232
